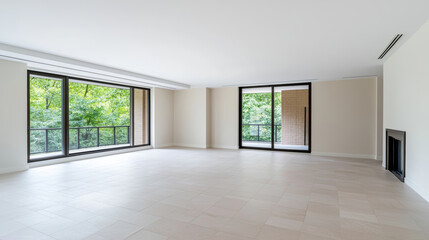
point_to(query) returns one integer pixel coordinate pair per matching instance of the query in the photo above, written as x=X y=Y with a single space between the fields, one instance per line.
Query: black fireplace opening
x=395 y=153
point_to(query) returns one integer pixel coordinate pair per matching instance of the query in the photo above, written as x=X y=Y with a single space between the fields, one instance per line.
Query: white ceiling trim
x=44 y=62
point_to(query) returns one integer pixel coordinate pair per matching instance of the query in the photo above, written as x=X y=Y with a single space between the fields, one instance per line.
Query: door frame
x=272 y=86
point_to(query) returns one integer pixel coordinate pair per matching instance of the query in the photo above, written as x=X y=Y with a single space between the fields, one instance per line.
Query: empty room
x=214 y=120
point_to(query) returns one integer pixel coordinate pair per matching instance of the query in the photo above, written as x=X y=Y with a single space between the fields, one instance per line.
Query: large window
x=276 y=117
x=46 y=108
x=99 y=116
x=70 y=116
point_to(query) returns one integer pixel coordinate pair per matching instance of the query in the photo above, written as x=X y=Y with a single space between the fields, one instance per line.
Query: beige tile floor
x=186 y=194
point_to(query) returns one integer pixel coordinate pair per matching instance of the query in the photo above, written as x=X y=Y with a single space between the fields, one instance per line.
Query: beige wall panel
x=163 y=117
x=344 y=118
x=190 y=118
x=224 y=117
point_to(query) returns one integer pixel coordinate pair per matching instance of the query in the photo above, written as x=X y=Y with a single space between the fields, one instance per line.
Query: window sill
x=85 y=156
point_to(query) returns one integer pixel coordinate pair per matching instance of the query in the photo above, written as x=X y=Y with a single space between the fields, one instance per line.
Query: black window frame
x=272 y=86
x=65 y=116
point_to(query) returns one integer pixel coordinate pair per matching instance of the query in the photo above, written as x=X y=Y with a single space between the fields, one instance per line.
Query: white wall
x=344 y=118
x=190 y=117
x=163 y=117
x=224 y=117
x=13 y=119
x=406 y=98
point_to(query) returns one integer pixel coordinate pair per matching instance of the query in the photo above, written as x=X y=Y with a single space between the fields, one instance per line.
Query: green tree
x=256 y=109
x=89 y=106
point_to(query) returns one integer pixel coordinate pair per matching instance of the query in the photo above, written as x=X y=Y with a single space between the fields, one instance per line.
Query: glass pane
x=99 y=116
x=87 y=137
x=72 y=138
x=46 y=135
x=141 y=116
x=291 y=117
x=122 y=135
x=106 y=136
x=256 y=117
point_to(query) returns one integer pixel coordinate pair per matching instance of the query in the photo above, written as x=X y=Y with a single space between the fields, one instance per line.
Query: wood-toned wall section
x=295 y=119
x=140 y=117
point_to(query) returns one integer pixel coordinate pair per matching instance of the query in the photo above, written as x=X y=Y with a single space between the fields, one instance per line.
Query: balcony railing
x=260 y=136
x=83 y=138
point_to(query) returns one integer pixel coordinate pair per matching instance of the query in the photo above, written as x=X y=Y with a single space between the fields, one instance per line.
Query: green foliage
x=45 y=103
x=92 y=105
x=89 y=106
x=256 y=109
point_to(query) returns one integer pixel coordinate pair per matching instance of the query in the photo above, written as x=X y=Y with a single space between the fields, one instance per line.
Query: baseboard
x=189 y=145
x=346 y=155
x=13 y=169
x=224 y=147
x=87 y=156
x=164 y=145
x=380 y=157
x=418 y=189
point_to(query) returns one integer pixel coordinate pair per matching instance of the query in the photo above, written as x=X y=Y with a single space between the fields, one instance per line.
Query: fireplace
x=395 y=153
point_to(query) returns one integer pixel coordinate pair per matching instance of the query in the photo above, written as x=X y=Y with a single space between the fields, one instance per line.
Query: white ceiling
x=220 y=42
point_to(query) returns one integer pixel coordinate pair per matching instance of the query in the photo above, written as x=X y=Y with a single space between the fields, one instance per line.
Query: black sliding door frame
x=65 y=116
x=64 y=123
x=240 y=117
x=132 y=115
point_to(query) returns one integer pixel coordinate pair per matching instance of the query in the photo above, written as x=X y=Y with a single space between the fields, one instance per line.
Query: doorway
x=275 y=117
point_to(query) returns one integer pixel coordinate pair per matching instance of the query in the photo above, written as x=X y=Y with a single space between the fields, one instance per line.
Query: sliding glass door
x=70 y=116
x=46 y=108
x=256 y=117
x=292 y=116
x=276 y=117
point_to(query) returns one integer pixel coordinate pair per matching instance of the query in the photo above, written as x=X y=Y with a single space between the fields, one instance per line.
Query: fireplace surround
x=396 y=152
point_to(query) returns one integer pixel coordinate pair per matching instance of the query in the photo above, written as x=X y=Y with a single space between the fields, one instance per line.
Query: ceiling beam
x=41 y=61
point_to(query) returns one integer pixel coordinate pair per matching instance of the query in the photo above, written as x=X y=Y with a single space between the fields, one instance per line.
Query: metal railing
x=276 y=127
x=78 y=136
x=258 y=125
